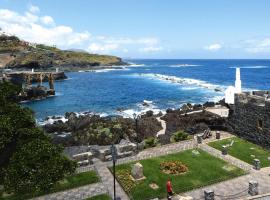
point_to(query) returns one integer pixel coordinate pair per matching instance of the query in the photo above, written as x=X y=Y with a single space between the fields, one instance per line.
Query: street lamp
x=114 y=159
x=136 y=118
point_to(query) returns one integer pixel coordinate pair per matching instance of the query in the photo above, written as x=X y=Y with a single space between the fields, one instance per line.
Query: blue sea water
x=167 y=83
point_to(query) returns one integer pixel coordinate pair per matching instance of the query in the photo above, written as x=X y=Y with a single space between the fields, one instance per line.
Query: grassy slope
x=243 y=150
x=47 y=56
x=73 y=181
x=204 y=169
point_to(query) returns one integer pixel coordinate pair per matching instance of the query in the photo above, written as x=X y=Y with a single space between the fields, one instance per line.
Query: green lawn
x=69 y=182
x=203 y=169
x=100 y=197
x=244 y=150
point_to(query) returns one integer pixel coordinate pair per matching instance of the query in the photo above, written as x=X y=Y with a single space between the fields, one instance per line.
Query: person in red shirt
x=169 y=189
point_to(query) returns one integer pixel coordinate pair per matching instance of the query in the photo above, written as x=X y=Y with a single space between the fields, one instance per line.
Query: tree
x=29 y=161
x=36 y=167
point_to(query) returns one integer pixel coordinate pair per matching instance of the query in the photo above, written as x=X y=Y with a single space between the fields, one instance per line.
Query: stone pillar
x=199 y=139
x=51 y=81
x=40 y=79
x=257 y=164
x=224 y=150
x=209 y=195
x=253 y=188
x=217 y=135
x=28 y=79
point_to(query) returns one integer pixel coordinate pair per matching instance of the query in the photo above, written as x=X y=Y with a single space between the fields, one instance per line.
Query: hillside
x=18 y=54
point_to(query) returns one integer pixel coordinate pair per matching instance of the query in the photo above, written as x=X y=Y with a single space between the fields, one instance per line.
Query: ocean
x=163 y=83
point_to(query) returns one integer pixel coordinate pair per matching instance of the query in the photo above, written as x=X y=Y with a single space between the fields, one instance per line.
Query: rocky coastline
x=87 y=128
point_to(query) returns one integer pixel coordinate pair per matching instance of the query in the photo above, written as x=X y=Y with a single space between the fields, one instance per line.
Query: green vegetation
x=180 y=136
x=150 y=142
x=244 y=150
x=203 y=169
x=69 y=182
x=20 y=54
x=100 y=197
x=30 y=162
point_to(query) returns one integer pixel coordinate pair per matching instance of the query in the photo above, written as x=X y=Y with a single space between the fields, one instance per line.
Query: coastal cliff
x=21 y=55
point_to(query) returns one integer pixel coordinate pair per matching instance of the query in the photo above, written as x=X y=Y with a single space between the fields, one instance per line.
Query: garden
x=188 y=170
x=69 y=182
x=244 y=150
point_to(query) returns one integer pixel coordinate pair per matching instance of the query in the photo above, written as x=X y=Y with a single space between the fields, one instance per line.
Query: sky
x=191 y=29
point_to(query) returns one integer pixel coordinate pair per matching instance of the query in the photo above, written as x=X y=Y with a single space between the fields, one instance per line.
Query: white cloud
x=213 y=47
x=130 y=41
x=29 y=26
x=102 y=48
x=151 y=49
x=257 y=45
x=47 y=20
x=34 y=27
x=33 y=9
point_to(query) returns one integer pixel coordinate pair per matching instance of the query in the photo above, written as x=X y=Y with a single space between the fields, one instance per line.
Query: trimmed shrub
x=179 y=136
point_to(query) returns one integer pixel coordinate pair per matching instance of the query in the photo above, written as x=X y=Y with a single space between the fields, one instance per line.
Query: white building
x=230 y=91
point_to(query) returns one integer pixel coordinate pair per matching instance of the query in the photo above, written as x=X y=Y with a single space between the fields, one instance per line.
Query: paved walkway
x=107 y=180
x=163 y=125
x=239 y=186
x=158 y=151
x=76 y=193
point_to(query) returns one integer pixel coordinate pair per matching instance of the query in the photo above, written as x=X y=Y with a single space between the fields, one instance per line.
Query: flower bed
x=173 y=167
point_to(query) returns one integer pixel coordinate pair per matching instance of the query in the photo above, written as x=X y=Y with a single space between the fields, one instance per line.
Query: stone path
x=237 y=186
x=76 y=193
x=163 y=124
x=107 y=180
x=158 y=151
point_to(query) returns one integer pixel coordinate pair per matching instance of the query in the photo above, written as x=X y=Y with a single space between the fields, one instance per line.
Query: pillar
x=224 y=150
x=209 y=195
x=257 y=164
x=28 y=79
x=253 y=188
x=40 y=78
x=217 y=135
x=51 y=81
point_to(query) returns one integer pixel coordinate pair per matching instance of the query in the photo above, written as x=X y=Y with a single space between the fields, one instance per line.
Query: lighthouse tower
x=238 y=87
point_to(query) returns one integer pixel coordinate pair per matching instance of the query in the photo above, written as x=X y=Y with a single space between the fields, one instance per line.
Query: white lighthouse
x=238 y=87
x=230 y=91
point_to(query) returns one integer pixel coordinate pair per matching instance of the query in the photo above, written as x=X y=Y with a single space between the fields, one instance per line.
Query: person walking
x=169 y=189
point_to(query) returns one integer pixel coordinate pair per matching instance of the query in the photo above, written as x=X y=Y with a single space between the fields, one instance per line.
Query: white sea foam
x=141 y=109
x=135 y=65
x=111 y=69
x=52 y=119
x=184 y=65
x=183 y=81
x=252 y=67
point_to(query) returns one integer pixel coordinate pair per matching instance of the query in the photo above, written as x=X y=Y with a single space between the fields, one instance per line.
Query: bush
x=179 y=136
x=150 y=142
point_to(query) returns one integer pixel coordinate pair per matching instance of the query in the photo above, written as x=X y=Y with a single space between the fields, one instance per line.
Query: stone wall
x=250 y=117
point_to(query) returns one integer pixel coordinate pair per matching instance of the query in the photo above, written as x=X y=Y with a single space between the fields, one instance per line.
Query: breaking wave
x=184 y=81
x=184 y=65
